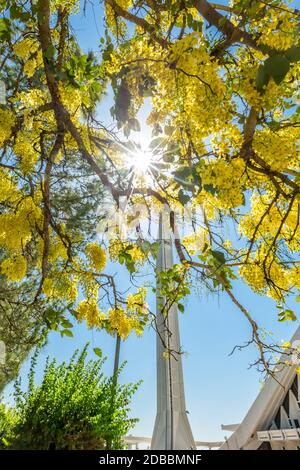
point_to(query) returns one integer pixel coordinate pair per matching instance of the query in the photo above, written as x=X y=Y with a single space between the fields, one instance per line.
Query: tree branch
x=232 y=32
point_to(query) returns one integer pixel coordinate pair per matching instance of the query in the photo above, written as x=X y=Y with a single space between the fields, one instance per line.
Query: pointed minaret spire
x=172 y=430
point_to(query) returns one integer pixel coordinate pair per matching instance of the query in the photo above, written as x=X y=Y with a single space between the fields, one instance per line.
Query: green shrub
x=75 y=407
x=8 y=420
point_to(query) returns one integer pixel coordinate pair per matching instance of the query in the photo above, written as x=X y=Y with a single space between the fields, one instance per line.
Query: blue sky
x=219 y=387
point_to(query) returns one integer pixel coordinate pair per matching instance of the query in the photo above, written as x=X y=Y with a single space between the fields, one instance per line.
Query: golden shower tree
x=223 y=81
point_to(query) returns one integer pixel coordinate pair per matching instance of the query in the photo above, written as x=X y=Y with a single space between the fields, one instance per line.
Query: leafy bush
x=75 y=407
x=8 y=420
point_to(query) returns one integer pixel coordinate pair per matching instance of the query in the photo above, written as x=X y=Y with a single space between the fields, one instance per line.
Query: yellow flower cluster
x=269 y=216
x=7 y=121
x=71 y=99
x=27 y=150
x=253 y=274
x=57 y=250
x=294 y=277
x=264 y=266
x=195 y=241
x=96 y=255
x=136 y=303
x=88 y=310
x=61 y=286
x=243 y=77
x=116 y=25
x=189 y=87
x=9 y=192
x=226 y=179
x=120 y=320
x=117 y=247
x=122 y=323
x=16 y=227
x=278 y=149
x=191 y=96
x=278 y=28
x=185 y=44
x=72 y=6
x=228 y=141
x=33 y=64
x=31 y=99
x=26 y=47
x=14 y=268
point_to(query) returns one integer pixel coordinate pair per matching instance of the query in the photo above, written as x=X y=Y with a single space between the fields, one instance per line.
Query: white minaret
x=172 y=430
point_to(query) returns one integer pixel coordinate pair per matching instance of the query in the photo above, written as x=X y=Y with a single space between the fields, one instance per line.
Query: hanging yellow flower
x=96 y=256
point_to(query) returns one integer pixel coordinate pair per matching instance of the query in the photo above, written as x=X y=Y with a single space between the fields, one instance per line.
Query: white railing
x=134 y=441
x=279 y=435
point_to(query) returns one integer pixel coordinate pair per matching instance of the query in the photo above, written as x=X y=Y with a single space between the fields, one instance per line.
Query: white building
x=273 y=421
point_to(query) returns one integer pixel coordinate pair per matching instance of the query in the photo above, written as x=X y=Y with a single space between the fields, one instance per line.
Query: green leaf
x=186 y=177
x=40 y=15
x=3 y=5
x=154 y=248
x=98 y=352
x=15 y=12
x=183 y=197
x=275 y=125
x=5 y=29
x=265 y=49
x=50 y=52
x=96 y=87
x=209 y=188
x=293 y=54
x=67 y=333
x=134 y=124
x=287 y=315
x=144 y=245
x=219 y=256
x=196 y=26
x=183 y=172
x=62 y=75
x=180 y=308
x=298 y=298
x=262 y=77
x=168 y=157
x=168 y=130
x=158 y=142
x=277 y=66
x=67 y=324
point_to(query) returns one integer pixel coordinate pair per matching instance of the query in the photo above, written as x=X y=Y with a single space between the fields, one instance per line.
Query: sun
x=139 y=158
x=142 y=160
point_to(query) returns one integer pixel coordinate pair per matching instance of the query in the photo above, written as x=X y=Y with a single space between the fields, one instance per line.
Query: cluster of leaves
x=217 y=261
x=74 y=407
x=16 y=14
x=173 y=286
x=276 y=66
x=82 y=70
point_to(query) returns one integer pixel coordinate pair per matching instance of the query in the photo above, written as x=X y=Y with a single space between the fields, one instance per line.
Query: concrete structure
x=273 y=421
x=172 y=430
